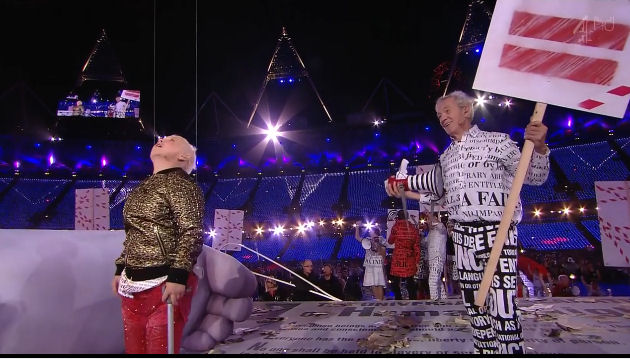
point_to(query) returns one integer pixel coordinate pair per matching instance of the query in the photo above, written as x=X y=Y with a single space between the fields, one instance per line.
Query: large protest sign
x=569 y=53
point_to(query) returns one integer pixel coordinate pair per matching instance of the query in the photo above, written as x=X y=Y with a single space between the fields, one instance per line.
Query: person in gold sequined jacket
x=163 y=228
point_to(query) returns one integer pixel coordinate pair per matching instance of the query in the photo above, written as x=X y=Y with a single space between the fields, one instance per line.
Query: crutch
x=170 y=325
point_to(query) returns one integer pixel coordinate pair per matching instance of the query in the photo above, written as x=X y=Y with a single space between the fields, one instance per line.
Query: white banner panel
x=228 y=227
x=91 y=209
x=614 y=221
x=569 y=53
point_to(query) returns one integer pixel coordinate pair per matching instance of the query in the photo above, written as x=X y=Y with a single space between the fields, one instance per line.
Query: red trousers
x=145 y=319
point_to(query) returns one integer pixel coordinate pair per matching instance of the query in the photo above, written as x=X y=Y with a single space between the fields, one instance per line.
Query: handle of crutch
x=170 y=325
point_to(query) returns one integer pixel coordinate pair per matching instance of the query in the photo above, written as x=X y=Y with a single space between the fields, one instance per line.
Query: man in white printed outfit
x=478 y=168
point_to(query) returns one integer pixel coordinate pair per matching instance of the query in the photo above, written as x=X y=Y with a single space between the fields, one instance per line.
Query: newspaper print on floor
x=554 y=325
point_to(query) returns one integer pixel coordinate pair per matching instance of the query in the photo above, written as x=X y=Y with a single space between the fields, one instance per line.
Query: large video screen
x=125 y=104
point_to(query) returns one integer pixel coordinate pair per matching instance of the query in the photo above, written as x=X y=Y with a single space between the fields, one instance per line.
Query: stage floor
x=582 y=325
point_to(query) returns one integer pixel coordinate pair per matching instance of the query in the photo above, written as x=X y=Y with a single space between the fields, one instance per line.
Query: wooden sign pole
x=508 y=212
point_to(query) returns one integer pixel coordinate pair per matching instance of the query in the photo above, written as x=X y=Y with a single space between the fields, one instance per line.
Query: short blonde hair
x=461 y=99
x=191 y=165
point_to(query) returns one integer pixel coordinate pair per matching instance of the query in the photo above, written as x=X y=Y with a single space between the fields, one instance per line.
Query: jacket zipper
x=157 y=235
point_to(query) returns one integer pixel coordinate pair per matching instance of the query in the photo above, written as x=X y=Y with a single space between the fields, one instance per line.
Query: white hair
x=461 y=99
x=191 y=165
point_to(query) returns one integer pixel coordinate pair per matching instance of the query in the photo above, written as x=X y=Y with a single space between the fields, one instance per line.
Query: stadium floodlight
x=272 y=132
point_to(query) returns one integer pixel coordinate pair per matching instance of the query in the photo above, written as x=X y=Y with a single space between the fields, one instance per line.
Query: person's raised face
x=307 y=267
x=455 y=120
x=174 y=149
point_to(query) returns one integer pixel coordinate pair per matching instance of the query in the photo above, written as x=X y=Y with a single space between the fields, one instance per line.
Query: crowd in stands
x=346 y=281
x=542 y=274
x=341 y=279
x=575 y=273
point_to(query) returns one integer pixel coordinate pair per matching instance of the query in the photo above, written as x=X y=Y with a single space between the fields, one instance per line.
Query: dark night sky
x=347 y=46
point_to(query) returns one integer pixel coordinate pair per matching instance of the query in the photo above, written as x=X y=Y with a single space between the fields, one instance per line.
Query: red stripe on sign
x=589 y=32
x=558 y=64
x=589 y=105
x=620 y=91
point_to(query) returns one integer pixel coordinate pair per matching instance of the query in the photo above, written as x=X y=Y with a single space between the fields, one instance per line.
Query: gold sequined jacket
x=163 y=227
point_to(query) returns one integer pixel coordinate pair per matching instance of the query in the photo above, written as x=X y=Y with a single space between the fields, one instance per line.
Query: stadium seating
x=593 y=227
x=310 y=246
x=23 y=200
x=550 y=236
x=273 y=196
x=366 y=191
x=350 y=248
x=320 y=192
x=588 y=163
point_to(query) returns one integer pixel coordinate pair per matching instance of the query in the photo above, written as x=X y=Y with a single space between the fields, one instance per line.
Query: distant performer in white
x=374 y=275
x=120 y=108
